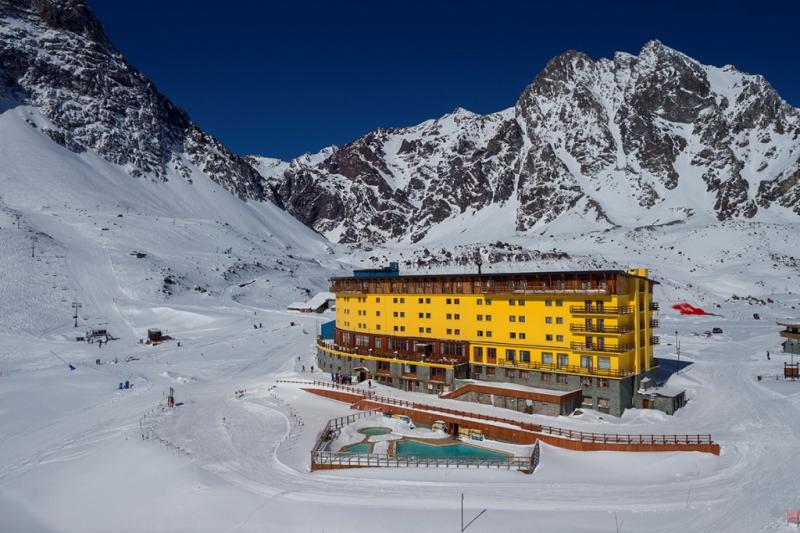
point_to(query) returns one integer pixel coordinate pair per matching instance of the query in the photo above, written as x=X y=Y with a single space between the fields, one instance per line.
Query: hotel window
x=378 y=327
x=427 y=330
x=602 y=404
x=511 y=355
x=512 y=335
x=420 y=300
x=521 y=318
x=480 y=333
x=548 y=320
x=548 y=337
x=476 y=370
x=457 y=331
x=449 y=316
x=402 y=314
x=422 y=330
x=586 y=382
x=522 y=335
x=559 y=320
x=457 y=316
x=427 y=300
x=378 y=341
x=402 y=300
x=456 y=301
x=402 y=328
x=488 y=301
x=377 y=300
x=427 y=315
x=490 y=371
x=395 y=328
x=480 y=301
x=521 y=302
x=602 y=383
x=480 y=317
x=547 y=358
x=488 y=333
x=547 y=378
x=559 y=303
x=512 y=318
x=477 y=353
x=604 y=363
x=548 y=303
x=448 y=301
x=525 y=356
x=488 y=318
x=449 y=331
x=559 y=338
x=422 y=315
x=586 y=361
x=377 y=313
x=394 y=300
x=512 y=302
x=563 y=359
x=396 y=314
x=561 y=378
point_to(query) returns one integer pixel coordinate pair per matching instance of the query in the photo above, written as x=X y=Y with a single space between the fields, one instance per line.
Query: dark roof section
x=506 y=275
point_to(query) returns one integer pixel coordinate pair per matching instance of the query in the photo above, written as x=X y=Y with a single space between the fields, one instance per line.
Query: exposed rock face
x=629 y=141
x=55 y=55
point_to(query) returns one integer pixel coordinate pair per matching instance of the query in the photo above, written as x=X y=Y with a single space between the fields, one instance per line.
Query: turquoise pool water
x=361 y=447
x=420 y=449
x=375 y=431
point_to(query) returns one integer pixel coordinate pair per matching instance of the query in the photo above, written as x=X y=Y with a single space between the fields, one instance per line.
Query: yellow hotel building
x=565 y=331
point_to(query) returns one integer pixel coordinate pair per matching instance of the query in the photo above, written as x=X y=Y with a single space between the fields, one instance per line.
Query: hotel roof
x=503 y=275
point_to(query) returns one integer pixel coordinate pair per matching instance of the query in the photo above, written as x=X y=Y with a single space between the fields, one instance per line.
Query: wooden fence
x=654 y=440
x=323 y=459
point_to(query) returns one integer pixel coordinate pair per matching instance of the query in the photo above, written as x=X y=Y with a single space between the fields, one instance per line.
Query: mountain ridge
x=615 y=139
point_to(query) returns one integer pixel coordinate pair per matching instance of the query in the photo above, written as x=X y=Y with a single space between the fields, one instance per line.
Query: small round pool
x=375 y=431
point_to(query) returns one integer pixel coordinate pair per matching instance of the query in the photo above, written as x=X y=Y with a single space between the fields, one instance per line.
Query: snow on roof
x=523 y=388
x=314 y=303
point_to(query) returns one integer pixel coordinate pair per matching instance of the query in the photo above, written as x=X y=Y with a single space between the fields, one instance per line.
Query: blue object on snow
x=127 y=384
x=71 y=367
x=179 y=344
x=120 y=386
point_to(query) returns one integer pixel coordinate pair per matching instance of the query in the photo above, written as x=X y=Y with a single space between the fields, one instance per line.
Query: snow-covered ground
x=72 y=456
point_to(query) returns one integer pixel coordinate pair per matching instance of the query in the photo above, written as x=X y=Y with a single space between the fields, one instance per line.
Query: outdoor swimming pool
x=375 y=431
x=361 y=447
x=421 y=449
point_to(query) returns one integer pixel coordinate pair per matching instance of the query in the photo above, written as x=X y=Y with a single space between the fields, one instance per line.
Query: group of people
x=341 y=379
x=125 y=385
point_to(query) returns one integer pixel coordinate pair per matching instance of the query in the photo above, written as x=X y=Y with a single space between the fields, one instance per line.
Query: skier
x=304 y=368
x=369 y=383
x=312 y=369
x=768 y=359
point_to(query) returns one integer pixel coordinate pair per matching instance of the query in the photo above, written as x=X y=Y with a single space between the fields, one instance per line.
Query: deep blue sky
x=286 y=78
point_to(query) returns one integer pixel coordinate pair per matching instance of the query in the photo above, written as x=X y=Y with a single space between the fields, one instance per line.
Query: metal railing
x=320 y=459
x=654 y=323
x=565 y=369
x=604 y=310
x=616 y=330
x=595 y=347
x=655 y=339
x=654 y=306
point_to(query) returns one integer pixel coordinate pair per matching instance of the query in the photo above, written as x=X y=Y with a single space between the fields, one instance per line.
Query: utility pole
x=464 y=527
x=33 y=245
x=76 y=306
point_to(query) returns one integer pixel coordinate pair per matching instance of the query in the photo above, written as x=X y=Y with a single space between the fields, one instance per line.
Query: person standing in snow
x=768 y=359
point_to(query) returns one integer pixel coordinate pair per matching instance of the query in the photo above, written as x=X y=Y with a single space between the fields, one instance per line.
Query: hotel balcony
x=654 y=323
x=598 y=348
x=654 y=306
x=655 y=340
x=565 y=369
x=605 y=330
x=600 y=310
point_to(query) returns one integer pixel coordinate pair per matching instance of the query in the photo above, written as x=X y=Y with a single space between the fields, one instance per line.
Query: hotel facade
x=588 y=331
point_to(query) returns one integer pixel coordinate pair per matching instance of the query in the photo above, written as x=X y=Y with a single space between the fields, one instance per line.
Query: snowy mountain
x=637 y=140
x=54 y=55
x=110 y=194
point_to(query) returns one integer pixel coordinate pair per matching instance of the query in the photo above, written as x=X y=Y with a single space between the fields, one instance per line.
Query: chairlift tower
x=76 y=306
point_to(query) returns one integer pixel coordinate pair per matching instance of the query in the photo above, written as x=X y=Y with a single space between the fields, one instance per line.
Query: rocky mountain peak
x=632 y=140
x=70 y=15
